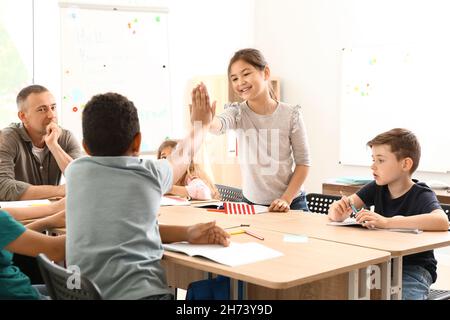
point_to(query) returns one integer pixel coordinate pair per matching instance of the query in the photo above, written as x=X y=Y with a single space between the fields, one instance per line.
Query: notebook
x=353 y=180
x=174 y=201
x=235 y=254
x=26 y=203
x=352 y=222
x=347 y=222
x=207 y=204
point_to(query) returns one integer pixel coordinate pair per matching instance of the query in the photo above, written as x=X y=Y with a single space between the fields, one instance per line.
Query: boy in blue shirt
x=400 y=202
x=113 y=199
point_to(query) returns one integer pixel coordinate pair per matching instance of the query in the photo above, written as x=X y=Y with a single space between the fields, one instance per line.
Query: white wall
x=202 y=36
x=302 y=40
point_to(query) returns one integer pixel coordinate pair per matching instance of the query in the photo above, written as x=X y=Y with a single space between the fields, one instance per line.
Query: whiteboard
x=388 y=87
x=116 y=49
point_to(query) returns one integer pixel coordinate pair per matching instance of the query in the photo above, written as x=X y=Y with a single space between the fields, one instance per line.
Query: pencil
x=254 y=235
x=237 y=232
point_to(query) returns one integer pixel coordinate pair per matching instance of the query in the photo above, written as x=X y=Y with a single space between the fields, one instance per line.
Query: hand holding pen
x=350 y=205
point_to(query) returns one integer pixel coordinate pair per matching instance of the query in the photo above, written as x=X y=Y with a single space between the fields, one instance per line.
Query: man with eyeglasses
x=35 y=152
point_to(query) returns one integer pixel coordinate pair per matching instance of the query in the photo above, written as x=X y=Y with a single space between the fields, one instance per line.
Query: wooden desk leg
x=364 y=283
x=385 y=280
x=234 y=288
x=358 y=288
x=244 y=291
x=396 y=288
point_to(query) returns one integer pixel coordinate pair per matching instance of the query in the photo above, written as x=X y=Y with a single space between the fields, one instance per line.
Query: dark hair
x=25 y=92
x=403 y=143
x=110 y=123
x=255 y=58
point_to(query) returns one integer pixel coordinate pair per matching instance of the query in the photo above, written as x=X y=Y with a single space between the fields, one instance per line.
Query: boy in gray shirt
x=113 y=199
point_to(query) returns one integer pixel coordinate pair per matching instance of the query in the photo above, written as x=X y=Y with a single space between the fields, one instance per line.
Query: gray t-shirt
x=112 y=229
x=20 y=167
x=268 y=146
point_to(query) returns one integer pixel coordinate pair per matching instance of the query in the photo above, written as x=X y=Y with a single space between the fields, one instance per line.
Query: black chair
x=446 y=208
x=319 y=203
x=29 y=266
x=228 y=193
x=56 y=280
x=434 y=293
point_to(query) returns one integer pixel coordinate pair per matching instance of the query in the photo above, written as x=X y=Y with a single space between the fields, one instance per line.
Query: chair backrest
x=319 y=203
x=228 y=193
x=56 y=280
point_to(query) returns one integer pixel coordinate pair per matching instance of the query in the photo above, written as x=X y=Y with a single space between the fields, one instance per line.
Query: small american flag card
x=243 y=208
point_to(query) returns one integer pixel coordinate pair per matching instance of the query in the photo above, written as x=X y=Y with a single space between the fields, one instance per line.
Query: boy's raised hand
x=201 y=109
x=207 y=233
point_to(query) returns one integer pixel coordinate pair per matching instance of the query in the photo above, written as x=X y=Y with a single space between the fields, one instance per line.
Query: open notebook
x=206 y=203
x=235 y=254
x=174 y=201
x=352 y=222
x=26 y=203
x=346 y=222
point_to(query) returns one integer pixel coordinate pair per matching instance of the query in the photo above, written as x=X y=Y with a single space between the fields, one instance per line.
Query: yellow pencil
x=237 y=232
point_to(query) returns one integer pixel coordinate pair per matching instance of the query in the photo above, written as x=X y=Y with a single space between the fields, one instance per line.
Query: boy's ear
x=407 y=164
x=266 y=73
x=136 y=144
x=86 y=148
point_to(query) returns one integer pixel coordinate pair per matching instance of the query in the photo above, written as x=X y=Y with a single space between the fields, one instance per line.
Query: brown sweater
x=20 y=168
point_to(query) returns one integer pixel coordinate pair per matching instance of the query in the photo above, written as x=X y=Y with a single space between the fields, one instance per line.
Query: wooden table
x=398 y=244
x=317 y=269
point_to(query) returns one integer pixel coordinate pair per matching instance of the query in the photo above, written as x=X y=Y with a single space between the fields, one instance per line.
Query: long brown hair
x=255 y=58
x=194 y=170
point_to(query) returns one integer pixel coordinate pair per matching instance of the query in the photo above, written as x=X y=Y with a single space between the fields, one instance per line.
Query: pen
x=254 y=235
x=353 y=208
x=352 y=205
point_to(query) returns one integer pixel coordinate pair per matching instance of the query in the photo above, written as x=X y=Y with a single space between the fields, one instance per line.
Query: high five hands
x=201 y=108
